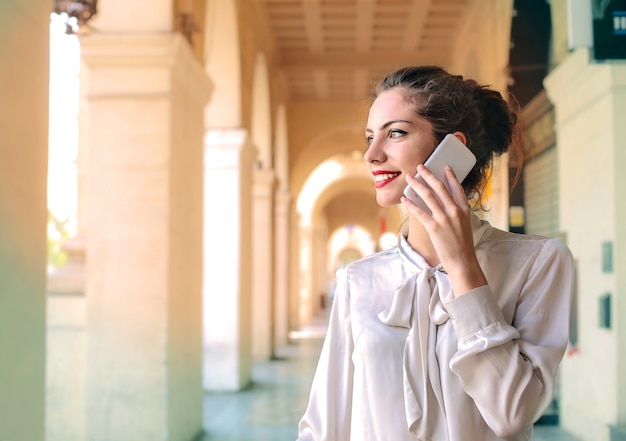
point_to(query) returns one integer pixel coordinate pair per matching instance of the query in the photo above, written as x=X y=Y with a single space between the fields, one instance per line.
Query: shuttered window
x=541 y=194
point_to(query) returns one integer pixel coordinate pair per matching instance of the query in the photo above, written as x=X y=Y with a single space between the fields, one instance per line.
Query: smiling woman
x=412 y=326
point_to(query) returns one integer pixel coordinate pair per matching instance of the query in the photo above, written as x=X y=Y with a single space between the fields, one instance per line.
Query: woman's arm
x=327 y=417
x=509 y=370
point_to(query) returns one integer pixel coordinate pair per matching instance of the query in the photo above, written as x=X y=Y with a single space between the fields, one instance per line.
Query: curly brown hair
x=451 y=103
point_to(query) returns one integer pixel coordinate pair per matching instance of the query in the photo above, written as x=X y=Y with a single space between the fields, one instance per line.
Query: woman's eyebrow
x=388 y=123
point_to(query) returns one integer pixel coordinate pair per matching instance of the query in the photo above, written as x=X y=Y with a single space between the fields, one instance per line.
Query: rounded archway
x=339 y=220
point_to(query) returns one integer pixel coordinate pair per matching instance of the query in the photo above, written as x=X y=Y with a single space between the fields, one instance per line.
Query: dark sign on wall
x=609 y=29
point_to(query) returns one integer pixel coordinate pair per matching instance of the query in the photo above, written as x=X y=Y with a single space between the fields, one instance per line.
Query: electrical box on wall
x=604 y=309
x=607 y=257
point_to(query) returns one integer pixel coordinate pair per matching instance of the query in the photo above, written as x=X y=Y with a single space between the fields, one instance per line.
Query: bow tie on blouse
x=418 y=305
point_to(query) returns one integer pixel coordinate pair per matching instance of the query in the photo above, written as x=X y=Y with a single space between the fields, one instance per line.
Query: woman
x=456 y=334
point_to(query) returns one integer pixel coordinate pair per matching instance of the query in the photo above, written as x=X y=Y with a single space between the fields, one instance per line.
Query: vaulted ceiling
x=335 y=49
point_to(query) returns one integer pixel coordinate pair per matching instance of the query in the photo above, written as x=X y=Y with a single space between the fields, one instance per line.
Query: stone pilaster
x=24 y=79
x=263 y=299
x=143 y=214
x=305 y=295
x=227 y=259
x=282 y=267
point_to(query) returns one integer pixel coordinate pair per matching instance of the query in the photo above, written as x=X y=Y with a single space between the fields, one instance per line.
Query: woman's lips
x=382 y=178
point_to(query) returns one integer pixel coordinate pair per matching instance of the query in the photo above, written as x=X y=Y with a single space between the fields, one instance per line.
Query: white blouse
x=405 y=360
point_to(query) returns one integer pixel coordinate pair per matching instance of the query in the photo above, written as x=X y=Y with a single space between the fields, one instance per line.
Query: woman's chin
x=387 y=200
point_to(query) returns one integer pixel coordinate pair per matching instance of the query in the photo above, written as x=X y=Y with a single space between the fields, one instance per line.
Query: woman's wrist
x=465 y=278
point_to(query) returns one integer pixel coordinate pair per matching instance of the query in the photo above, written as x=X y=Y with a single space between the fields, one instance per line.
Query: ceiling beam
x=417 y=14
x=313 y=24
x=351 y=59
x=364 y=25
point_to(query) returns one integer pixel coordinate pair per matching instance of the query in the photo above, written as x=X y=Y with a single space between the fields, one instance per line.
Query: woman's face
x=398 y=140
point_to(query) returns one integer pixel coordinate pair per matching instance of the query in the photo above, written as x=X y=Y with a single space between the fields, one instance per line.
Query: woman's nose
x=374 y=152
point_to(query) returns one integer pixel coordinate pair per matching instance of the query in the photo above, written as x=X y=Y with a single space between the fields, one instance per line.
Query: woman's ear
x=461 y=137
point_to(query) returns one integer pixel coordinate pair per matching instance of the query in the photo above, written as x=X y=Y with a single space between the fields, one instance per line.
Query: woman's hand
x=449 y=227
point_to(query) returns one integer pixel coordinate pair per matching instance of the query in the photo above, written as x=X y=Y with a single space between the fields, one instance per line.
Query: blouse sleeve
x=509 y=370
x=327 y=417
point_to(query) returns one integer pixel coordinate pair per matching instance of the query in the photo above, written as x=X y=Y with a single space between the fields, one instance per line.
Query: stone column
x=143 y=214
x=320 y=266
x=590 y=104
x=296 y=283
x=282 y=267
x=227 y=259
x=24 y=51
x=306 y=295
x=263 y=265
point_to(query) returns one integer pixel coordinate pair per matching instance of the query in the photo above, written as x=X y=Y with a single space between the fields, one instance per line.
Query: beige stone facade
x=211 y=189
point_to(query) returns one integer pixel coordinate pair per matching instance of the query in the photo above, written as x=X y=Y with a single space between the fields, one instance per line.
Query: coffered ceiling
x=336 y=49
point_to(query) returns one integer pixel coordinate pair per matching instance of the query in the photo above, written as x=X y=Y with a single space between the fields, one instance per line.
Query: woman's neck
x=419 y=240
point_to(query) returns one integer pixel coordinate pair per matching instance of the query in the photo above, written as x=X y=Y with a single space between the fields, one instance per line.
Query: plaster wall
x=124 y=17
x=586 y=98
x=24 y=51
x=314 y=135
x=482 y=49
x=223 y=65
x=619 y=115
x=482 y=53
x=560 y=31
x=356 y=207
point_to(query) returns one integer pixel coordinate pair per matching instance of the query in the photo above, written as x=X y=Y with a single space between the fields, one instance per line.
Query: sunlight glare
x=63 y=125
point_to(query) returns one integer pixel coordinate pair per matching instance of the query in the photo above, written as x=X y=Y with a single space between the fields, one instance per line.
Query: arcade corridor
x=213 y=156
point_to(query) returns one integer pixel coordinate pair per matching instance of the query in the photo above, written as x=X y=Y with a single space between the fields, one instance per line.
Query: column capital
x=227 y=148
x=578 y=81
x=222 y=138
x=264 y=180
x=283 y=197
x=141 y=65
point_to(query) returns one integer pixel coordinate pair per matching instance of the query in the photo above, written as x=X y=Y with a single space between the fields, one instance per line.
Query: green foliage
x=58 y=232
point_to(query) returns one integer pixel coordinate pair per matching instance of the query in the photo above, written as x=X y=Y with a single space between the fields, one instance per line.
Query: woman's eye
x=396 y=133
x=369 y=139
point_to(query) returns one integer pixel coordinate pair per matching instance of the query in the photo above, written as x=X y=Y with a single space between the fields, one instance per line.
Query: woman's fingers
x=427 y=198
x=438 y=195
x=456 y=189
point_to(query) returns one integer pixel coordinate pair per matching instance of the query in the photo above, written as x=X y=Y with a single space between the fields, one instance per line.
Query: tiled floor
x=270 y=409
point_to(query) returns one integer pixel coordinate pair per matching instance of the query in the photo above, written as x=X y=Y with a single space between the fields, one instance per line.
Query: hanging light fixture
x=78 y=12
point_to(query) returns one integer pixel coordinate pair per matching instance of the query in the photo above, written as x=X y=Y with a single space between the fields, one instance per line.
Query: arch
x=353 y=239
x=329 y=172
x=223 y=65
x=261 y=114
x=346 y=140
x=281 y=147
x=338 y=192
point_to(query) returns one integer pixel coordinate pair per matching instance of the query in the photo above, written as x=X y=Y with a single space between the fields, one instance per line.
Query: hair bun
x=498 y=117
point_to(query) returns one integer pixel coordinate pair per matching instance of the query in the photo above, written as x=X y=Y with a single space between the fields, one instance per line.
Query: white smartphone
x=450 y=151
